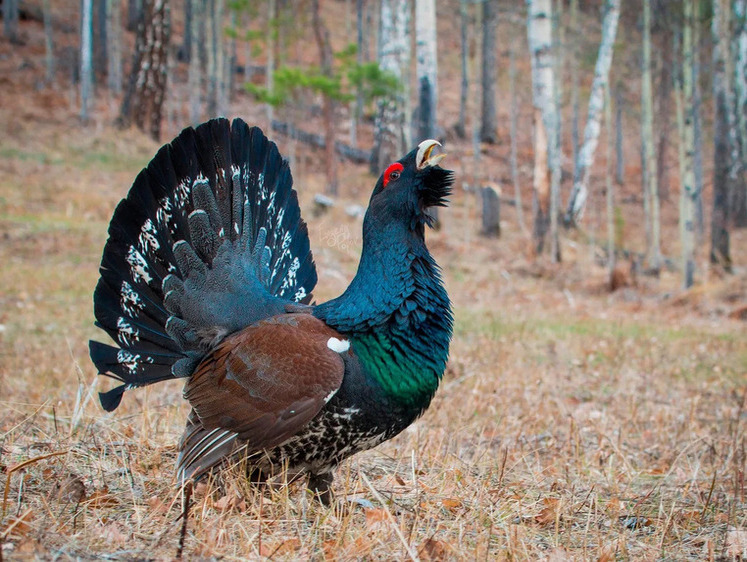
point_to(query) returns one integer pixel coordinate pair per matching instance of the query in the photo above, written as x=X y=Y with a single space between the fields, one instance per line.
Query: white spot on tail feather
x=338 y=346
x=129 y=300
x=126 y=332
x=130 y=361
x=147 y=238
x=138 y=265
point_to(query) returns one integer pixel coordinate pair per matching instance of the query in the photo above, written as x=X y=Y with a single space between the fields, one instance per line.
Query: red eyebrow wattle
x=396 y=167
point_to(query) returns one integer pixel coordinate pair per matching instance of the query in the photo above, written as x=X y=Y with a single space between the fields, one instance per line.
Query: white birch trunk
x=86 y=57
x=585 y=160
x=574 y=80
x=546 y=181
x=391 y=129
x=426 y=68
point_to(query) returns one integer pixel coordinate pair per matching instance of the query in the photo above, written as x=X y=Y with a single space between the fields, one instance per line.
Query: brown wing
x=268 y=381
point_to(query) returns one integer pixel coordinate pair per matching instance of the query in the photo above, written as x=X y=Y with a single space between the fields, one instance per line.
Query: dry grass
x=571 y=423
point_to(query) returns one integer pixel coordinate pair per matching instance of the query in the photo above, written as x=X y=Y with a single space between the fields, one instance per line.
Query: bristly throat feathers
x=397 y=316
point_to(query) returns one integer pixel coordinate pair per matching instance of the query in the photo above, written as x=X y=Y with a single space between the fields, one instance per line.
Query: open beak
x=425 y=157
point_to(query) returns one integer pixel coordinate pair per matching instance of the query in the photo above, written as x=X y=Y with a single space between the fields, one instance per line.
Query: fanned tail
x=208 y=241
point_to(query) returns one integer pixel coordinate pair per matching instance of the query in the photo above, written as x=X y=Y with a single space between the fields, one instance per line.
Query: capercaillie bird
x=207 y=275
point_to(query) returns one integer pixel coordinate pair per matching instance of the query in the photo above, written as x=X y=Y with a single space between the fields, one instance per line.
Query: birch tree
x=648 y=152
x=426 y=68
x=391 y=128
x=546 y=181
x=86 y=57
x=585 y=159
x=488 y=122
x=574 y=32
x=723 y=155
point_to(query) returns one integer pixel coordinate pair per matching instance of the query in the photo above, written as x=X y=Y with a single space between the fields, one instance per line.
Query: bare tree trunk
x=114 y=33
x=86 y=57
x=582 y=168
x=360 y=8
x=546 y=168
x=687 y=187
x=611 y=257
x=559 y=68
x=215 y=53
x=738 y=203
x=698 y=128
x=488 y=122
x=185 y=49
x=143 y=101
x=391 y=126
x=134 y=13
x=461 y=126
x=651 y=205
x=575 y=106
x=270 y=46
x=426 y=68
x=321 y=34
x=48 y=42
x=513 y=134
x=491 y=212
x=197 y=24
x=10 y=20
x=100 y=40
x=720 y=253
x=619 y=153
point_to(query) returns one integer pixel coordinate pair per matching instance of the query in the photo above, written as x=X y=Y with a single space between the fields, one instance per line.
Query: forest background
x=594 y=404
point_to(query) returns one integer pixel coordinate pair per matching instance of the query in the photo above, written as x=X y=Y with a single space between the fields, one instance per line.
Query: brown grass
x=571 y=424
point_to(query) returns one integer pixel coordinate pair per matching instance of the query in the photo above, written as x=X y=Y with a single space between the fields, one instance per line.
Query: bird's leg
x=321 y=485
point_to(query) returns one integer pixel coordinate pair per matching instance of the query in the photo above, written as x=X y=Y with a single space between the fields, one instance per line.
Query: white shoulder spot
x=338 y=346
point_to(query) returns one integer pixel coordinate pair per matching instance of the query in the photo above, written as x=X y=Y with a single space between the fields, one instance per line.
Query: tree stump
x=491 y=212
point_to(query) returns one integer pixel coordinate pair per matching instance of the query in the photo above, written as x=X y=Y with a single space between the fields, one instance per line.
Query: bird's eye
x=392 y=173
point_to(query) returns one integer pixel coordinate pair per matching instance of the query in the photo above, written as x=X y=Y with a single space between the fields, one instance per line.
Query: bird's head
x=409 y=186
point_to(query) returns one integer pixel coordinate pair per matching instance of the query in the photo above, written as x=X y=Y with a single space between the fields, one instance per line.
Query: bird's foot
x=320 y=485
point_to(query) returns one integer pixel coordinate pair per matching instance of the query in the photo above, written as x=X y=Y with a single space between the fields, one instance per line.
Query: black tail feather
x=213 y=221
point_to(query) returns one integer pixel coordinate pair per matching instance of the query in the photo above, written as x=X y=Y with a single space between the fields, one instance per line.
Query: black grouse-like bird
x=207 y=276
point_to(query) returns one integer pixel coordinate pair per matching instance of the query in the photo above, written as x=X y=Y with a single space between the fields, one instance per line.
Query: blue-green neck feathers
x=397 y=315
